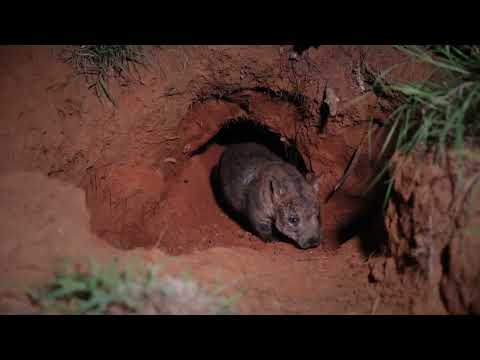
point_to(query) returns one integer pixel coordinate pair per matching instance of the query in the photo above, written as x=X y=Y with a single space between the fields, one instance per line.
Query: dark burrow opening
x=244 y=130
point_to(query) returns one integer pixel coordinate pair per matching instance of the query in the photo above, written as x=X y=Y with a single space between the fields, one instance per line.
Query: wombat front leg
x=264 y=230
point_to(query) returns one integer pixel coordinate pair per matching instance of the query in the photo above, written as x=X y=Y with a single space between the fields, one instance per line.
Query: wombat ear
x=276 y=189
x=314 y=180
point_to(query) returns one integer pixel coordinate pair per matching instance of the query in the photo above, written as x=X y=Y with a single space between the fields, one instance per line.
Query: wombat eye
x=293 y=220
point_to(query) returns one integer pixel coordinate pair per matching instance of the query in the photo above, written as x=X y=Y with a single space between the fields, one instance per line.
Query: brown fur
x=271 y=194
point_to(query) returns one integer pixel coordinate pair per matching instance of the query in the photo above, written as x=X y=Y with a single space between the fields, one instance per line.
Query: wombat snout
x=272 y=194
x=313 y=242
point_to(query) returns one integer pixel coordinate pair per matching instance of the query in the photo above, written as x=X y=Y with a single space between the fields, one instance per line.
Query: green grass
x=129 y=289
x=99 y=63
x=440 y=113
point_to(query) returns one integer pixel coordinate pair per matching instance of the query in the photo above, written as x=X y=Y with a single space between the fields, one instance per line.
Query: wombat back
x=239 y=166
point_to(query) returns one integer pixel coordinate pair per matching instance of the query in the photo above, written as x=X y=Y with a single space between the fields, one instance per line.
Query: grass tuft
x=439 y=114
x=98 y=63
x=131 y=289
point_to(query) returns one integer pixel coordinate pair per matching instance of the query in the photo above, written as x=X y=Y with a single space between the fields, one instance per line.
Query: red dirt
x=123 y=178
x=432 y=221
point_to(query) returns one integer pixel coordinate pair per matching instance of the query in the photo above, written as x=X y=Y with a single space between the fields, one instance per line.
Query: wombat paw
x=265 y=232
x=268 y=237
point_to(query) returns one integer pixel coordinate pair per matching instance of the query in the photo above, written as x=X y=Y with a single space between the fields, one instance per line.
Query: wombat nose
x=313 y=242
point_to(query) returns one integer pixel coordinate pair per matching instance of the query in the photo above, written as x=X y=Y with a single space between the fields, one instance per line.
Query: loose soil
x=79 y=178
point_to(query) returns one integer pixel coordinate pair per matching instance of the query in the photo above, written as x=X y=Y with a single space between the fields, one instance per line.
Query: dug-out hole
x=132 y=206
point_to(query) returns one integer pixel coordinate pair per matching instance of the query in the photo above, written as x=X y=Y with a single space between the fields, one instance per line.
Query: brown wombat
x=271 y=193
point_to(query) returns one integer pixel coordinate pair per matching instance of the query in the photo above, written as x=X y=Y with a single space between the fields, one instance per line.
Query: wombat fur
x=271 y=194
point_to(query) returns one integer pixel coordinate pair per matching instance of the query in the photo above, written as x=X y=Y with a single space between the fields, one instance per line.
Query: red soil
x=101 y=181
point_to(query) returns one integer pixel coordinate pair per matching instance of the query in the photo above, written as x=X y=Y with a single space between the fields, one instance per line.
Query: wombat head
x=297 y=212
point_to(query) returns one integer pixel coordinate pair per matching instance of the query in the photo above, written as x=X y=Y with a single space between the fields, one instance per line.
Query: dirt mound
x=432 y=221
x=42 y=221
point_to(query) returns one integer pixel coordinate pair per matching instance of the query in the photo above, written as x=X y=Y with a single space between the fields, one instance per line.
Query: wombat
x=271 y=194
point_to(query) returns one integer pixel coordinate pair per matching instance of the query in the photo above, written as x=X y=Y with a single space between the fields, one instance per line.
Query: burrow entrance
x=247 y=131
x=244 y=130
x=146 y=205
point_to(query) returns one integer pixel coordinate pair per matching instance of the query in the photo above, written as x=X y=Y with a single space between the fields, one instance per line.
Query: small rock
x=293 y=56
x=377 y=271
x=170 y=160
x=332 y=101
x=187 y=149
